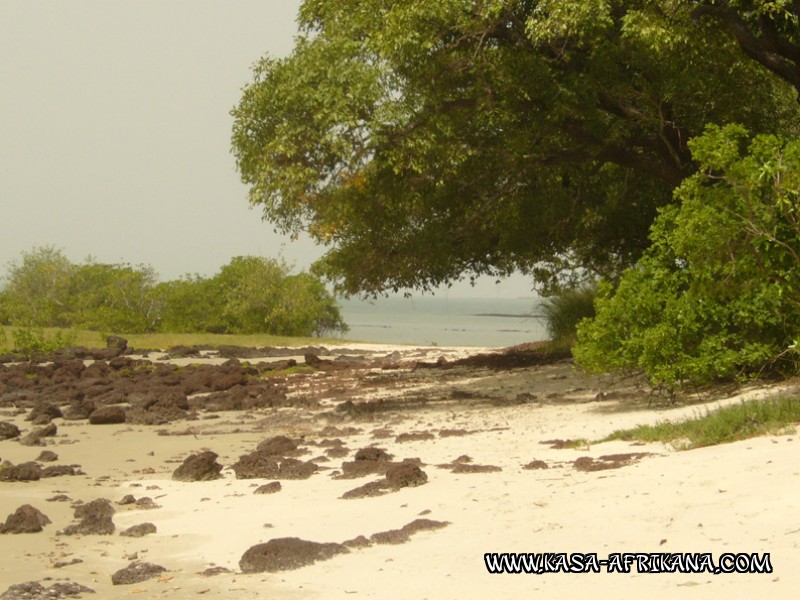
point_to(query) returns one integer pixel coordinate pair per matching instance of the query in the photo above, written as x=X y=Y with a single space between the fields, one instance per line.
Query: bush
x=29 y=341
x=564 y=311
x=717 y=295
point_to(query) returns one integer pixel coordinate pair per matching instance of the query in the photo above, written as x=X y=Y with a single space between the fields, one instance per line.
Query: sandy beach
x=488 y=439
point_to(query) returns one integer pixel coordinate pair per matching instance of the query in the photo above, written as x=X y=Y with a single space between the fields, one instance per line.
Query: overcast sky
x=115 y=132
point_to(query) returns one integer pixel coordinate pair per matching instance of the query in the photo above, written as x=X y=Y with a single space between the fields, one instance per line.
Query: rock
x=282 y=554
x=26 y=519
x=402 y=535
x=107 y=415
x=256 y=465
x=47 y=456
x=116 y=345
x=136 y=572
x=198 y=467
x=291 y=468
x=536 y=464
x=34 y=438
x=79 y=409
x=269 y=488
x=50 y=411
x=58 y=471
x=373 y=454
x=279 y=445
x=140 y=530
x=127 y=499
x=8 y=430
x=33 y=590
x=27 y=471
x=406 y=475
x=96 y=518
x=146 y=503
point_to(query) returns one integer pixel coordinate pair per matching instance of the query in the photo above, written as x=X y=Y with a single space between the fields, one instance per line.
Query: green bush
x=565 y=310
x=30 y=341
x=717 y=295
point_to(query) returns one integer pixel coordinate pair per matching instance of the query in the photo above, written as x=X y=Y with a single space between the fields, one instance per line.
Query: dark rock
x=268 y=488
x=279 y=445
x=146 y=503
x=33 y=590
x=358 y=542
x=136 y=572
x=58 y=471
x=402 y=535
x=44 y=408
x=34 y=438
x=283 y=554
x=292 y=468
x=406 y=475
x=414 y=437
x=373 y=454
x=8 y=430
x=79 y=409
x=127 y=499
x=107 y=415
x=47 y=456
x=198 y=467
x=158 y=408
x=465 y=468
x=256 y=465
x=58 y=498
x=26 y=519
x=27 y=471
x=140 y=530
x=96 y=518
x=536 y=464
x=116 y=345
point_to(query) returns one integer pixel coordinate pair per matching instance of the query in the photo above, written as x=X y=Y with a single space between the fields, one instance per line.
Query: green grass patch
x=151 y=341
x=728 y=424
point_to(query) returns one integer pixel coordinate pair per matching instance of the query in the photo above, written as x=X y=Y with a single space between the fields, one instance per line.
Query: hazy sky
x=115 y=132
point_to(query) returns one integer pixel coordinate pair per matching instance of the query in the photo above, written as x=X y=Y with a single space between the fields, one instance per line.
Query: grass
x=729 y=424
x=151 y=341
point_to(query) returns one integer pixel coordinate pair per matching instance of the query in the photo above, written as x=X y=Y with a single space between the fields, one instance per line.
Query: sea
x=444 y=321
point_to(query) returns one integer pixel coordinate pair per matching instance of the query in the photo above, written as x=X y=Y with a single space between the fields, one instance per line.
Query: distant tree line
x=248 y=295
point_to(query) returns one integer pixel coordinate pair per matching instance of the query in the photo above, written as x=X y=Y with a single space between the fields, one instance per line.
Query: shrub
x=565 y=310
x=717 y=295
x=30 y=341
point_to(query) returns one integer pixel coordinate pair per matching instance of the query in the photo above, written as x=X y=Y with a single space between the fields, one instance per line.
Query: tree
x=36 y=288
x=120 y=298
x=422 y=141
x=717 y=294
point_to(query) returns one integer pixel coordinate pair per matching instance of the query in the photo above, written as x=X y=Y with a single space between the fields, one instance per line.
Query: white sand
x=740 y=497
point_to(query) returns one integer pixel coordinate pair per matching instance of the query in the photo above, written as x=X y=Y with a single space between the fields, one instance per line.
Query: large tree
x=425 y=141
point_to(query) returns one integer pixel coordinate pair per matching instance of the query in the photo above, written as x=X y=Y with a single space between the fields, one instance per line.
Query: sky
x=115 y=133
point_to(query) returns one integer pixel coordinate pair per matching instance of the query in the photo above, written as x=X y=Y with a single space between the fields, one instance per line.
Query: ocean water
x=444 y=321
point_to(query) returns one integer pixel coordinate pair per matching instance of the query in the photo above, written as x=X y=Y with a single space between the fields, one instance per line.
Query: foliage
x=728 y=424
x=423 y=141
x=32 y=341
x=565 y=310
x=249 y=295
x=717 y=295
x=36 y=288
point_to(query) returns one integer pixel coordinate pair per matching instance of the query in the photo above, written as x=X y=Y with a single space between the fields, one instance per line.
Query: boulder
x=8 y=430
x=107 y=415
x=95 y=518
x=26 y=519
x=136 y=572
x=282 y=554
x=198 y=467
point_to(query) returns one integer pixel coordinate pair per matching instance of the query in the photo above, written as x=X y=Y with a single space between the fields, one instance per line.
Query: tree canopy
x=426 y=141
x=249 y=295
